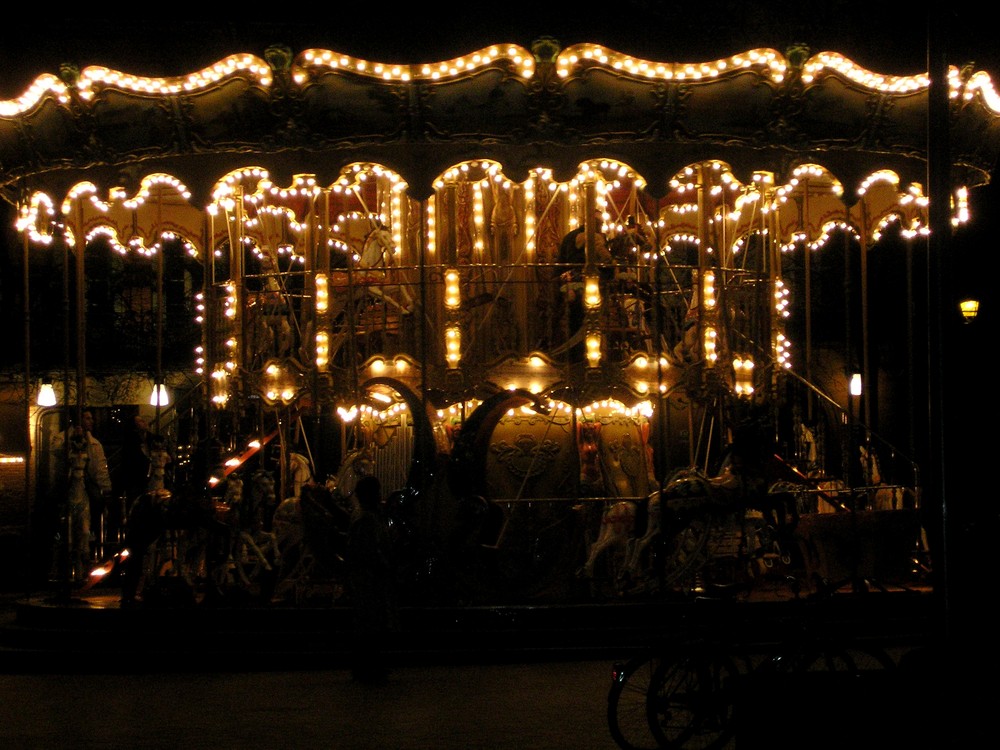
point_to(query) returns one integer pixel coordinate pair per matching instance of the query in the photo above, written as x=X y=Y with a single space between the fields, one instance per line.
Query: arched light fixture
x=856 y=384
x=46 y=395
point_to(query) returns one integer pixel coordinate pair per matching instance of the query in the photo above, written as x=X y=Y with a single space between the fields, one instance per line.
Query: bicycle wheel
x=832 y=658
x=627 y=715
x=691 y=697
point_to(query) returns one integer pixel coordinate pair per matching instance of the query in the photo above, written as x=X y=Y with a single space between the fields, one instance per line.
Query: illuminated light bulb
x=322 y=349
x=322 y=293
x=46 y=395
x=593 y=349
x=708 y=290
x=711 y=355
x=452 y=295
x=744 y=376
x=453 y=346
x=159 y=396
x=855 y=385
x=592 y=292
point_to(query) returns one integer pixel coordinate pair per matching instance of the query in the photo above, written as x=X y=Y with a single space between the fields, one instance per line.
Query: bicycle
x=683 y=693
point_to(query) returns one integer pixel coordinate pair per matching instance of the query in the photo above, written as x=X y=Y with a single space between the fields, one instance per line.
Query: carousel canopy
x=315 y=111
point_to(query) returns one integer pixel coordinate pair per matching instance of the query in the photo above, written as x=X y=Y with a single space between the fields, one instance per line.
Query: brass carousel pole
x=26 y=282
x=64 y=550
x=158 y=388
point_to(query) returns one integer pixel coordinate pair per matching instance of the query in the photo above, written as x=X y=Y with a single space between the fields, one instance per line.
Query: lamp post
x=855 y=391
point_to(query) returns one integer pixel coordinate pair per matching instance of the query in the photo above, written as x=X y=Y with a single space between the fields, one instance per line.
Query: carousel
x=604 y=328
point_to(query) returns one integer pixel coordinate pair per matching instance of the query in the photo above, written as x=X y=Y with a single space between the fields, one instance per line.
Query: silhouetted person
x=370 y=581
x=147 y=521
x=132 y=474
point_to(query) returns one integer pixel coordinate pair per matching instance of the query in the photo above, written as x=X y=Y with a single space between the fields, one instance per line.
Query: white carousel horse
x=286 y=520
x=356 y=464
x=369 y=286
x=617 y=528
x=639 y=546
x=300 y=472
x=378 y=252
x=78 y=506
x=304 y=561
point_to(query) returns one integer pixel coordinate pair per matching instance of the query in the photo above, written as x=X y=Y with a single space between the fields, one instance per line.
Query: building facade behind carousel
x=674 y=414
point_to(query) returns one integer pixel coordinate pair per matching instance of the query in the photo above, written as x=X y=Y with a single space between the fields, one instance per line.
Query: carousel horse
x=692 y=507
x=253 y=547
x=167 y=536
x=158 y=460
x=638 y=547
x=887 y=496
x=309 y=529
x=369 y=296
x=356 y=464
x=78 y=507
x=310 y=533
x=300 y=471
x=617 y=529
x=377 y=253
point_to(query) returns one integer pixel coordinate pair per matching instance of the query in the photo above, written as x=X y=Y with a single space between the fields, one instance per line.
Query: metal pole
x=26 y=275
x=939 y=291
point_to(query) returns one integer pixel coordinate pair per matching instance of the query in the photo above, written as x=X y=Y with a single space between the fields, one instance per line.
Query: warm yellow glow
x=592 y=292
x=744 y=376
x=593 y=349
x=708 y=290
x=711 y=355
x=453 y=346
x=322 y=293
x=969 y=308
x=452 y=295
x=782 y=351
x=319 y=60
x=322 y=350
x=781 y=302
x=220 y=386
x=855 y=386
x=46 y=395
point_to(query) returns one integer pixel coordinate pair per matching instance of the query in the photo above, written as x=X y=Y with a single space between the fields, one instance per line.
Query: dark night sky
x=877 y=35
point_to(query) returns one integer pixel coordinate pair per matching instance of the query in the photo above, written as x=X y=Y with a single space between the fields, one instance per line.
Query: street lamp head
x=969 y=308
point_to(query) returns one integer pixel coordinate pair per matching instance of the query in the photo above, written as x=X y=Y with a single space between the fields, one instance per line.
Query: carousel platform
x=91 y=631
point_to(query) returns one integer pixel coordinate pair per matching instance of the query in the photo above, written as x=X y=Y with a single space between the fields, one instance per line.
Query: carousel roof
x=316 y=111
